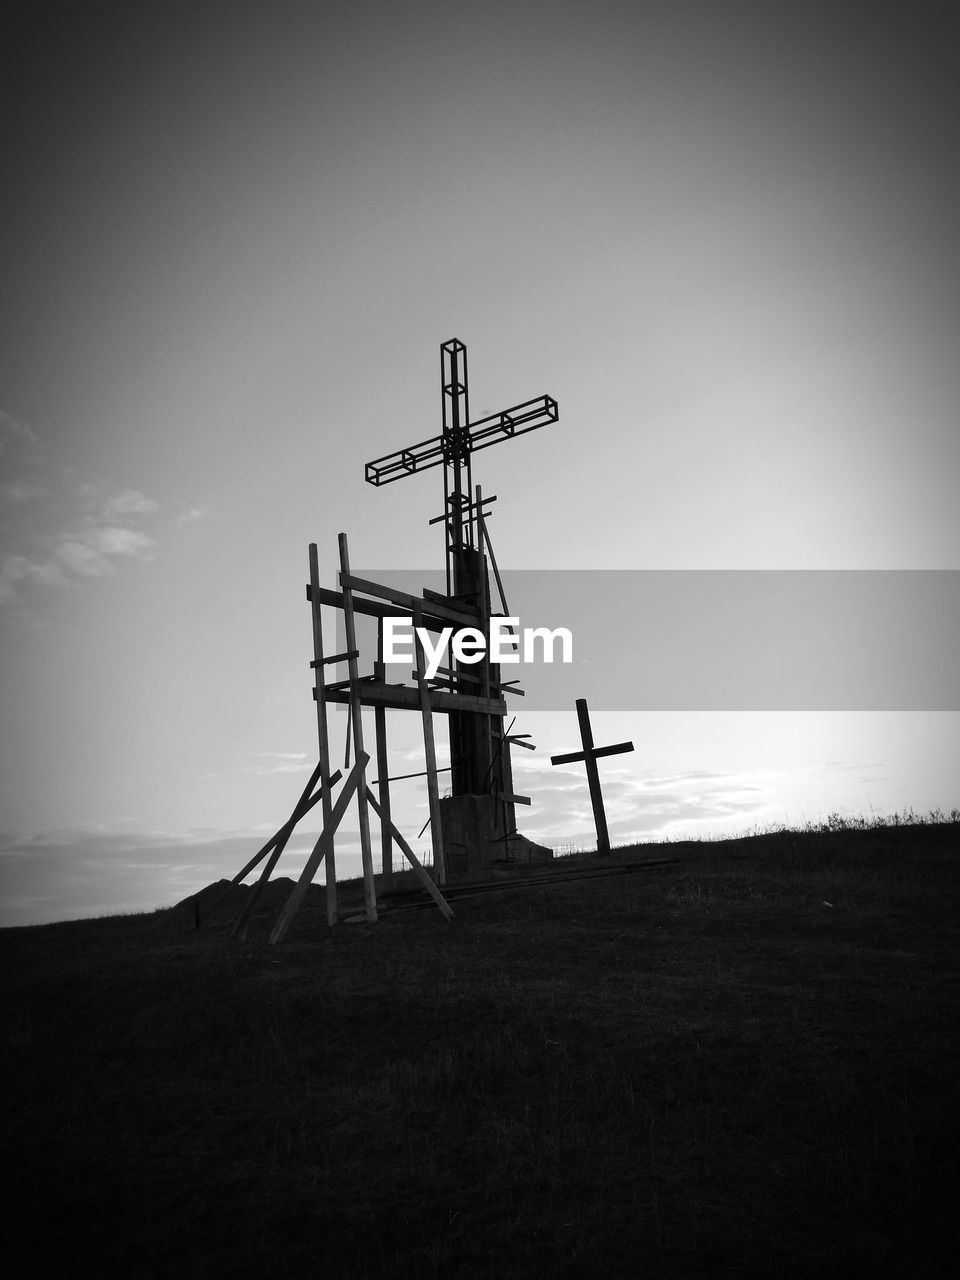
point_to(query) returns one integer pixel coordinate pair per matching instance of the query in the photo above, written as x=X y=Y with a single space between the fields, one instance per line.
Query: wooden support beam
x=336 y=657
x=407 y=601
x=372 y=608
x=383 y=770
x=465 y=506
x=348 y=683
x=321 y=849
x=430 y=752
x=449 y=674
x=398 y=696
x=401 y=777
x=303 y=807
x=415 y=862
x=485 y=537
x=323 y=741
x=356 y=720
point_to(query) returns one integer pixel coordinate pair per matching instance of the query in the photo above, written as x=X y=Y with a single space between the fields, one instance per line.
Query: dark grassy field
x=745 y=1065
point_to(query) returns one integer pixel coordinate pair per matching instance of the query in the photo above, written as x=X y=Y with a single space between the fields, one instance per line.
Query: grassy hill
x=742 y=1065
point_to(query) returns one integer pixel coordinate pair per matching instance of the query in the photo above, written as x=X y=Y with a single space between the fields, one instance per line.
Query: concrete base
x=473 y=837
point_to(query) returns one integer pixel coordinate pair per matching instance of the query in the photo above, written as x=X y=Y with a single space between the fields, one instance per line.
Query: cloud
x=15 y=434
x=93 y=546
x=94 y=551
x=271 y=762
x=193 y=515
x=17 y=569
x=18 y=492
x=637 y=808
x=129 y=502
x=75 y=874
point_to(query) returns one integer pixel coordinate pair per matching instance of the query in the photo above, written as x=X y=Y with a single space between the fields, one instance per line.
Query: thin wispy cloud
x=268 y=763
x=193 y=515
x=17 y=438
x=18 y=493
x=100 y=872
x=103 y=532
x=637 y=807
x=130 y=502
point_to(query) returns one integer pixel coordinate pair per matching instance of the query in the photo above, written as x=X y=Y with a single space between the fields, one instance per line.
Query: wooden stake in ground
x=590 y=754
x=430 y=754
x=383 y=771
x=321 y=849
x=319 y=663
x=356 y=720
x=414 y=861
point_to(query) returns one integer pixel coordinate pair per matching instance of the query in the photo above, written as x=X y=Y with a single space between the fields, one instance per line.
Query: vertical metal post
x=457 y=480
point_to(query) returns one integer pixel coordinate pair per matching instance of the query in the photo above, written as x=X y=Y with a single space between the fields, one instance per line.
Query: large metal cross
x=453 y=449
x=590 y=754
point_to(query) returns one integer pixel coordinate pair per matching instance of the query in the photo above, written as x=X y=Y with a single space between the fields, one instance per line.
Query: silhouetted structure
x=590 y=755
x=481 y=810
x=475 y=825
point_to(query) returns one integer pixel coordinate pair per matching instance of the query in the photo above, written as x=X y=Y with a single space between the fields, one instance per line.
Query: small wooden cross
x=590 y=754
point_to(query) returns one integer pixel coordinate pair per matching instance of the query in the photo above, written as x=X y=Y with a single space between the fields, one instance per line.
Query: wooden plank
x=323 y=741
x=430 y=753
x=574 y=757
x=617 y=749
x=407 y=601
x=372 y=608
x=496 y=572
x=346 y=684
x=415 y=862
x=400 y=777
x=482 y=739
x=320 y=850
x=508 y=799
x=447 y=672
x=467 y=506
x=302 y=807
x=402 y=698
x=516 y=742
x=336 y=657
x=356 y=720
x=383 y=770
x=593 y=777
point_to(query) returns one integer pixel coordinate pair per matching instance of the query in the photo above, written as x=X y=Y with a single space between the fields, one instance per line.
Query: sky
x=721 y=235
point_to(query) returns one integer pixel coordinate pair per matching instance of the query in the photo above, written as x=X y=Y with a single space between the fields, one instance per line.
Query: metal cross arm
x=476 y=435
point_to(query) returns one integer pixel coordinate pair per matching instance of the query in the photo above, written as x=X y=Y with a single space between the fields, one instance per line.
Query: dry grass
x=701 y=1071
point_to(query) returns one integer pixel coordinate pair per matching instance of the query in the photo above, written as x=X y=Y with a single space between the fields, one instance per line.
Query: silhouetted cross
x=590 y=754
x=453 y=448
